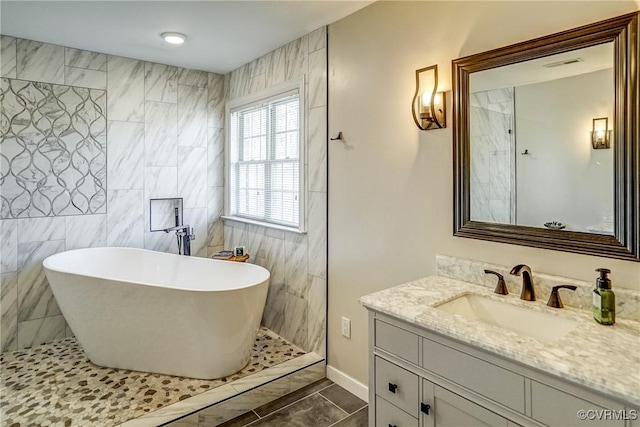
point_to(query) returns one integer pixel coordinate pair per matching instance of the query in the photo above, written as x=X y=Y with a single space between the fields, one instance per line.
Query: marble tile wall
x=492 y=156
x=296 y=303
x=164 y=138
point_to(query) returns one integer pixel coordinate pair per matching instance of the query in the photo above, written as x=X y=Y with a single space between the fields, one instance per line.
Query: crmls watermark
x=607 y=414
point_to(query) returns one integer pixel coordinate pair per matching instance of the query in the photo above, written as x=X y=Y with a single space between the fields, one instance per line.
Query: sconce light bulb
x=426 y=98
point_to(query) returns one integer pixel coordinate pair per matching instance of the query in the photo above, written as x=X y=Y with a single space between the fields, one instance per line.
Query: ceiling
x=222 y=35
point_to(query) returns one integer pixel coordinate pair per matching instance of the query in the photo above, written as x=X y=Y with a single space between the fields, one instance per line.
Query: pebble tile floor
x=55 y=384
x=321 y=404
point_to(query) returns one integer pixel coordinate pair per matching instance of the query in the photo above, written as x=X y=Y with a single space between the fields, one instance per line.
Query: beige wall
x=390 y=197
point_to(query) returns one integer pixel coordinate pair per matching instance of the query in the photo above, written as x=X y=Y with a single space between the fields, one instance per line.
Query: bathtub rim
x=46 y=263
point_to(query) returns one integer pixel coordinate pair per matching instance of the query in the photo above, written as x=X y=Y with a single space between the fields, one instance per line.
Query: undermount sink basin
x=524 y=321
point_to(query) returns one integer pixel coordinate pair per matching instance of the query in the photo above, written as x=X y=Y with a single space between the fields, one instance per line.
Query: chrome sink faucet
x=528 y=293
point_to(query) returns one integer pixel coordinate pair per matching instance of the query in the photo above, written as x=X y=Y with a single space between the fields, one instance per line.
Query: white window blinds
x=264 y=161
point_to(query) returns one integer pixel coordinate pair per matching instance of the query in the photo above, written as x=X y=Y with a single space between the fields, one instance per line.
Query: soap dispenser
x=604 y=300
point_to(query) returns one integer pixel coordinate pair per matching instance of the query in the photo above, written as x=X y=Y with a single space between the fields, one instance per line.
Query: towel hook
x=337 y=138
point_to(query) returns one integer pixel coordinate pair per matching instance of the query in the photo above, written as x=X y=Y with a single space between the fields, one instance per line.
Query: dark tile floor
x=321 y=404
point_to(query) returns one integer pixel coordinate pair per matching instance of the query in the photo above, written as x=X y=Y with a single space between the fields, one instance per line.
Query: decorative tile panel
x=53 y=140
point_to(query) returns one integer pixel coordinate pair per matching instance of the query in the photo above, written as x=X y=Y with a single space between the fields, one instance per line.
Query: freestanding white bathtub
x=157 y=312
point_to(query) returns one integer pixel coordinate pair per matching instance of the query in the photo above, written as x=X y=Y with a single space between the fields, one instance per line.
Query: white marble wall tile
x=9 y=312
x=318 y=78
x=271 y=256
x=257 y=83
x=192 y=176
x=258 y=66
x=239 y=82
x=216 y=100
x=125 y=89
x=276 y=68
x=125 y=155
x=161 y=134
x=318 y=39
x=40 y=62
x=190 y=77
x=41 y=229
x=35 y=299
x=295 y=320
x=85 y=78
x=86 y=231
x=274 y=310
x=197 y=218
x=316 y=298
x=8 y=56
x=499 y=210
x=160 y=82
x=160 y=182
x=317 y=232
x=39 y=331
x=215 y=157
x=228 y=234
x=215 y=206
x=85 y=59
x=480 y=157
x=253 y=238
x=296 y=264
x=125 y=218
x=9 y=247
x=297 y=58
x=161 y=242
x=499 y=164
x=192 y=116
x=317 y=149
x=479 y=197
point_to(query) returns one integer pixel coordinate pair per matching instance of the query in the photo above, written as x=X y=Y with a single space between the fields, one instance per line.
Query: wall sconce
x=600 y=133
x=428 y=107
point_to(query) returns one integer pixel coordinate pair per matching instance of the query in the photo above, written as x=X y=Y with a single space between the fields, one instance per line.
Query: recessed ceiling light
x=174 y=38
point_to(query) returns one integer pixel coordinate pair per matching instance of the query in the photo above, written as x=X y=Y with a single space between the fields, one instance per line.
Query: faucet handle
x=501 y=287
x=554 y=298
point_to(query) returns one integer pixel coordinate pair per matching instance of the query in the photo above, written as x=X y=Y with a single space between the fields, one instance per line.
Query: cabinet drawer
x=558 y=408
x=402 y=343
x=397 y=386
x=388 y=415
x=485 y=378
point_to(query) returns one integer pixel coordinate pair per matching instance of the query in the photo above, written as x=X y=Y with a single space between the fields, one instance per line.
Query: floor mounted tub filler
x=157 y=312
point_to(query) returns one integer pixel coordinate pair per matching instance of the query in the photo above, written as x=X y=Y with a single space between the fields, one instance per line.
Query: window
x=265 y=181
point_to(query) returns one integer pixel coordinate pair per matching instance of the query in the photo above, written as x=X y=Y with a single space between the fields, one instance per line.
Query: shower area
x=86 y=141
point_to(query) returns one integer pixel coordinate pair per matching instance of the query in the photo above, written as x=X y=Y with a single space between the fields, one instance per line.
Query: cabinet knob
x=425 y=408
x=392 y=425
x=393 y=388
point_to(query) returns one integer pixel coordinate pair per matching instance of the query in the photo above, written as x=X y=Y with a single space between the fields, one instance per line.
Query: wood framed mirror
x=531 y=164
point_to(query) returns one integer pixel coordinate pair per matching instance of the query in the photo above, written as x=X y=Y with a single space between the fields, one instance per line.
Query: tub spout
x=185 y=235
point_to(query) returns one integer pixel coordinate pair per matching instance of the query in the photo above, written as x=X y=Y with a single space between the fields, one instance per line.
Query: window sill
x=262 y=224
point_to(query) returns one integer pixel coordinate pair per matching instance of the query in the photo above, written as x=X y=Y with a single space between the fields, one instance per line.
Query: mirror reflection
x=537 y=142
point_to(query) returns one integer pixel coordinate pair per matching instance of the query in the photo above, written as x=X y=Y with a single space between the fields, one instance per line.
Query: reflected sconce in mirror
x=600 y=133
x=428 y=105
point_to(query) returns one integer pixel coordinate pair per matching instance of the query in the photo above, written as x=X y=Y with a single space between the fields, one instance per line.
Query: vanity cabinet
x=420 y=378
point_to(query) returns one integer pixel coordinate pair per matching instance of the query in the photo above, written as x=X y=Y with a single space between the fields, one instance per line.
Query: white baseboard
x=348 y=383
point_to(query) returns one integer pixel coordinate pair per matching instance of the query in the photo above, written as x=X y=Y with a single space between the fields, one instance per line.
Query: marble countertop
x=602 y=358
